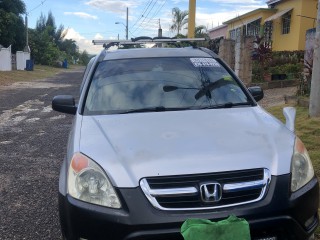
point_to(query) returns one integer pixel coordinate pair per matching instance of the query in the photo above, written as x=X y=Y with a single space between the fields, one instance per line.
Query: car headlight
x=301 y=166
x=88 y=182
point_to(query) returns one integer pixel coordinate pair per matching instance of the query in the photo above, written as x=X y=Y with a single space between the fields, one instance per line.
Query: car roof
x=155 y=52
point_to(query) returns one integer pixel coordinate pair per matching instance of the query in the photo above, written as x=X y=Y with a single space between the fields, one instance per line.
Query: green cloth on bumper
x=228 y=229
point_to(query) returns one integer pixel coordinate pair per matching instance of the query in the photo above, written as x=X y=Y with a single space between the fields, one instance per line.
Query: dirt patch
x=34 y=84
x=275 y=97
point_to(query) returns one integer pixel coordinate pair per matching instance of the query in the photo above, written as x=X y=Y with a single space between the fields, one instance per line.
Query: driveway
x=32 y=147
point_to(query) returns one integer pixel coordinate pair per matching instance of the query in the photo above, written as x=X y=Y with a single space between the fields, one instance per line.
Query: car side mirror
x=290 y=115
x=256 y=92
x=64 y=104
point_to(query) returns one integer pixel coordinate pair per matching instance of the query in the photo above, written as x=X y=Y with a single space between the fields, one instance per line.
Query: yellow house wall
x=295 y=40
x=242 y=20
x=309 y=9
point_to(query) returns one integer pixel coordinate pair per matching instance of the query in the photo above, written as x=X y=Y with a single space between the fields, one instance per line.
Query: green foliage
x=84 y=58
x=12 y=31
x=179 y=19
x=16 y=7
x=200 y=31
x=308 y=130
x=293 y=70
x=262 y=51
x=47 y=44
x=285 y=57
x=285 y=62
x=43 y=49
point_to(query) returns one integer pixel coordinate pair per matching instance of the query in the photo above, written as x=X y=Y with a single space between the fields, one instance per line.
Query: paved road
x=32 y=147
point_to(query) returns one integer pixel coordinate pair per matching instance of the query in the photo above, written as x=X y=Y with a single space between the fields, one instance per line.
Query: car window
x=86 y=72
x=122 y=85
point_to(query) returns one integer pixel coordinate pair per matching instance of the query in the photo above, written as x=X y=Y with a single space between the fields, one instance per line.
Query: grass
x=39 y=72
x=308 y=130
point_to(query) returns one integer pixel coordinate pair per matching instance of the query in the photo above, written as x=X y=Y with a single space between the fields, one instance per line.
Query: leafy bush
x=284 y=62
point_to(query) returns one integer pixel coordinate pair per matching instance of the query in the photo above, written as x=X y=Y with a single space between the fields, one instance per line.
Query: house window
x=253 y=28
x=268 y=29
x=286 y=20
x=235 y=33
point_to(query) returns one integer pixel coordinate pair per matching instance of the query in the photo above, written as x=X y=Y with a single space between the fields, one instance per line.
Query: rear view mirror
x=256 y=92
x=64 y=104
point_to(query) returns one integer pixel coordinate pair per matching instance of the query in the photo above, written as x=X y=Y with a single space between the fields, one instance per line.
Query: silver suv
x=161 y=135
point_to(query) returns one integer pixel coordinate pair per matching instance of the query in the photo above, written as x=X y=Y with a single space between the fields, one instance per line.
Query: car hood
x=132 y=146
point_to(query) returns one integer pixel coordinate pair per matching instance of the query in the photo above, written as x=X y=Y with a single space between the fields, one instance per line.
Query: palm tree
x=200 y=31
x=179 y=18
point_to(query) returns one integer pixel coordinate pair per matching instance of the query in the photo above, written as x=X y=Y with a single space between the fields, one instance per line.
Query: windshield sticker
x=204 y=62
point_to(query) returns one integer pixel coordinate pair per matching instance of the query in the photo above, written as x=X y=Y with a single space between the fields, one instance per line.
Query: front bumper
x=279 y=214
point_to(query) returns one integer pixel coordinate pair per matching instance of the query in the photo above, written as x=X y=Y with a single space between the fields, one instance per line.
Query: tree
x=12 y=30
x=43 y=49
x=84 y=58
x=41 y=23
x=51 y=25
x=179 y=19
x=14 y=6
x=201 y=32
x=69 y=46
x=47 y=44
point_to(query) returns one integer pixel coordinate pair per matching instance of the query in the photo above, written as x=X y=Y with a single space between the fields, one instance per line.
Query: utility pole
x=159 y=30
x=127 y=25
x=314 y=105
x=159 y=34
x=27 y=48
x=192 y=18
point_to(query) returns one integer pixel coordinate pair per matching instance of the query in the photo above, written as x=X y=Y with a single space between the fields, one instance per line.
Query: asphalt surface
x=32 y=147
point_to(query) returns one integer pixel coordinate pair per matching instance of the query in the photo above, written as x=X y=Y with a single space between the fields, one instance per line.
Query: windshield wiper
x=154 y=109
x=226 y=105
x=205 y=90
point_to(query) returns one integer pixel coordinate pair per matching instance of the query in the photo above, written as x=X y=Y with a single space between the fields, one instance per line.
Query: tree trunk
x=314 y=106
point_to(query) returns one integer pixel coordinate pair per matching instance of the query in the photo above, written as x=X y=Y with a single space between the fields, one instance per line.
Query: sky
x=86 y=20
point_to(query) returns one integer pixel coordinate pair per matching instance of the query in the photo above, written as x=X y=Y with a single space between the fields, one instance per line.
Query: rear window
x=119 y=86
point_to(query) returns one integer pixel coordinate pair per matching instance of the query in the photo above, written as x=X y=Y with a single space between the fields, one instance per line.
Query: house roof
x=217 y=28
x=249 y=14
x=272 y=1
x=277 y=15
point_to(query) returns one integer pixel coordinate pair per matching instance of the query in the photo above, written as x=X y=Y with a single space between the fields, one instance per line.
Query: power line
x=158 y=10
x=143 y=12
x=42 y=2
x=145 y=17
x=155 y=14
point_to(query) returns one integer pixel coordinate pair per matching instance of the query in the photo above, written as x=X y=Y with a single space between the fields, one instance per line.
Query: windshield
x=154 y=84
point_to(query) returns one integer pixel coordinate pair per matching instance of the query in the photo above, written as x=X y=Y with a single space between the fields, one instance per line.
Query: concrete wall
x=5 y=59
x=243 y=61
x=237 y=54
x=226 y=52
x=22 y=57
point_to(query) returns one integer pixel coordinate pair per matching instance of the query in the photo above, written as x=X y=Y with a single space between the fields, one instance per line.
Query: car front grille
x=223 y=189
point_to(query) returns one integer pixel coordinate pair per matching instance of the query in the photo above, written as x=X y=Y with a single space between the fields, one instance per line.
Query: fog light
x=310 y=222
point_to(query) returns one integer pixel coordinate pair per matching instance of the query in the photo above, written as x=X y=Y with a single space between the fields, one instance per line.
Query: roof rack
x=145 y=40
